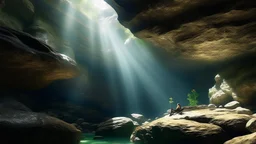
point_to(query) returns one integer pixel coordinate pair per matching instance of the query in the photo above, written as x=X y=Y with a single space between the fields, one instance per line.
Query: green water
x=88 y=139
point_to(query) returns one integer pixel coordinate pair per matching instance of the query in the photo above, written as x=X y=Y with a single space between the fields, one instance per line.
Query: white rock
x=138 y=118
x=211 y=106
x=251 y=125
x=241 y=110
x=146 y=122
x=232 y=105
x=221 y=93
x=219 y=97
x=223 y=110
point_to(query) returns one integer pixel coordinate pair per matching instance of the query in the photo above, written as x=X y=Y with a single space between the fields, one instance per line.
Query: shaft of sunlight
x=137 y=67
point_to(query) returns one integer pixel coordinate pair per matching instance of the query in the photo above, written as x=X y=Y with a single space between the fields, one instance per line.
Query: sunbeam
x=133 y=72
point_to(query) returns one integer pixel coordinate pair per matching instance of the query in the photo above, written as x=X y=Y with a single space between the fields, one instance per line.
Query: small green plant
x=171 y=101
x=192 y=98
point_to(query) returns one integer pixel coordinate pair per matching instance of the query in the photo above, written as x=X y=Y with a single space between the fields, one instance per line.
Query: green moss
x=192 y=98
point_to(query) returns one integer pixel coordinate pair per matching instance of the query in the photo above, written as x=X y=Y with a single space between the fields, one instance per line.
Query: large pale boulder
x=138 y=118
x=212 y=106
x=166 y=130
x=251 y=125
x=116 y=127
x=232 y=105
x=241 y=110
x=220 y=93
x=246 y=139
x=233 y=124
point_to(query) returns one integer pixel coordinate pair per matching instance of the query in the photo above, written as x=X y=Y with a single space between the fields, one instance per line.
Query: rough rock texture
x=29 y=63
x=199 y=29
x=233 y=124
x=116 y=127
x=241 y=110
x=220 y=93
x=246 y=139
x=166 y=130
x=230 y=121
x=34 y=128
x=220 y=32
x=232 y=105
x=251 y=125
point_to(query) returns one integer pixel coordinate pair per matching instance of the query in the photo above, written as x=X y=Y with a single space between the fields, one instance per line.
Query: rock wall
x=197 y=32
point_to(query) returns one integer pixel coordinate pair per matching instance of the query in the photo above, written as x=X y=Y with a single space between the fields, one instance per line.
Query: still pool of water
x=88 y=139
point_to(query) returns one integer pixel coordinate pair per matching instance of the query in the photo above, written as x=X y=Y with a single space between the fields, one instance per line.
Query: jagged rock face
x=197 y=30
x=29 y=63
x=218 y=32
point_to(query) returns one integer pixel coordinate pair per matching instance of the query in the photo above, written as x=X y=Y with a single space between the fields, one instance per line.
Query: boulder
x=135 y=123
x=233 y=124
x=166 y=130
x=136 y=140
x=35 y=128
x=36 y=63
x=191 y=108
x=246 y=139
x=211 y=106
x=241 y=110
x=116 y=127
x=138 y=118
x=202 y=115
x=251 y=125
x=232 y=105
x=220 y=93
x=146 y=122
